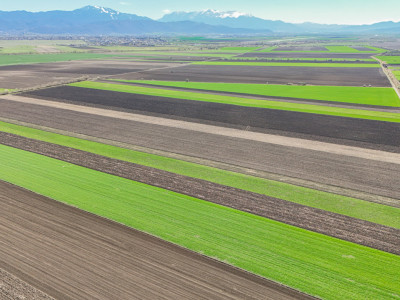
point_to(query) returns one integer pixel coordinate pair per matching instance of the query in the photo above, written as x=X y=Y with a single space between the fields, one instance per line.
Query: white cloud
x=167 y=11
x=125 y=3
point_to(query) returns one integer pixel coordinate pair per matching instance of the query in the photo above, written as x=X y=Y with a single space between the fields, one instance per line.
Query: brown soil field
x=306 y=55
x=369 y=131
x=71 y=254
x=369 y=176
x=298 y=48
x=24 y=76
x=12 y=288
x=339 y=226
x=359 y=48
x=273 y=75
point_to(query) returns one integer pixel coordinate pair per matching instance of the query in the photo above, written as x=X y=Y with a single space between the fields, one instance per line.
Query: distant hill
x=240 y=20
x=99 y=20
x=96 y=20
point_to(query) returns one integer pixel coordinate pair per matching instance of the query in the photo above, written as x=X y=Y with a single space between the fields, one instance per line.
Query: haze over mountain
x=236 y=19
x=102 y=21
x=96 y=20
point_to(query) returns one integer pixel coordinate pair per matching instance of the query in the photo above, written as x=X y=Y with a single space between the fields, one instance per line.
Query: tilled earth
x=70 y=254
x=273 y=75
x=369 y=176
x=354 y=230
x=360 y=130
x=12 y=288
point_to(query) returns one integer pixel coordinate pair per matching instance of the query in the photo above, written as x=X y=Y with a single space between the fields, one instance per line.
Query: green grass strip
x=286 y=64
x=373 y=212
x=391 y=60
x=243 y=49
x=358 y=95
x=306 y=108
x=397 y=74
x=47 y=58
x=316 y=59
x=331 y=49
x=314 y=263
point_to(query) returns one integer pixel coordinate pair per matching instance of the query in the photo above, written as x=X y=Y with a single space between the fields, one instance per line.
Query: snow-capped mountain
x=236 y=19
x=100 y=20
x=232 y=19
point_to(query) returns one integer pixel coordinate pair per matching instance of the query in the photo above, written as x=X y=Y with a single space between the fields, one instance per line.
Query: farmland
x=371 y=96
x=46 y=58
x=245 y=102
x=219 y=168
x=273 y=75
x=217 y=226
x=391 y=60
x=274 y=64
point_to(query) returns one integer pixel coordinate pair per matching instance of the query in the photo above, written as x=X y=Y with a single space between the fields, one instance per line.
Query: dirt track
x=346 y=228
x=369 y=131
x=70 y=254
x=273 y=75
x=352 y=173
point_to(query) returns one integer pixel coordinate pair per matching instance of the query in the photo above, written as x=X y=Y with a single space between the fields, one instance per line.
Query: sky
x=295 y=11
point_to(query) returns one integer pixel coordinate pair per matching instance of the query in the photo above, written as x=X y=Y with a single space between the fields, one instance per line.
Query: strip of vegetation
x=242 y=49
x=385 y=215
x=306 y=108
x=332 y=49
x=314 y=263
x=390 y=60
x=47 y=58
x=286 y=64
x=316 y=59
x=397 y=74
x=358 y=95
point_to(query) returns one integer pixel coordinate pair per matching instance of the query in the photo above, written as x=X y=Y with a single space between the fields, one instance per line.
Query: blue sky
x=321 y=11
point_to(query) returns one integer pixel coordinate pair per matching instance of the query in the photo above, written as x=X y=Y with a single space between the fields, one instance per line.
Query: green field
x=316 y=59
x=358 y=95
x=286 y=64
x=18 y=49
x=314 y=263
x=382 y=214
x=307 y=108
x=47 y=58
x=397 y=74
x=391 y=60
x=332 y=49
x=241 y=49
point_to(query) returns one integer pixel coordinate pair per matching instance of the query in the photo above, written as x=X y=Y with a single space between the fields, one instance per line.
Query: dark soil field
x=339 y=226
x=24 y=76
x=259 y=119
x=70 y=254
x=359 y=48
x=322 y=167
x=306 y=55
x=272 y=75
x=288 y=48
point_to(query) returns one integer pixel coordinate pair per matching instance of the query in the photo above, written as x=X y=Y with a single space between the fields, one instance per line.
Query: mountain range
x=96 y=20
